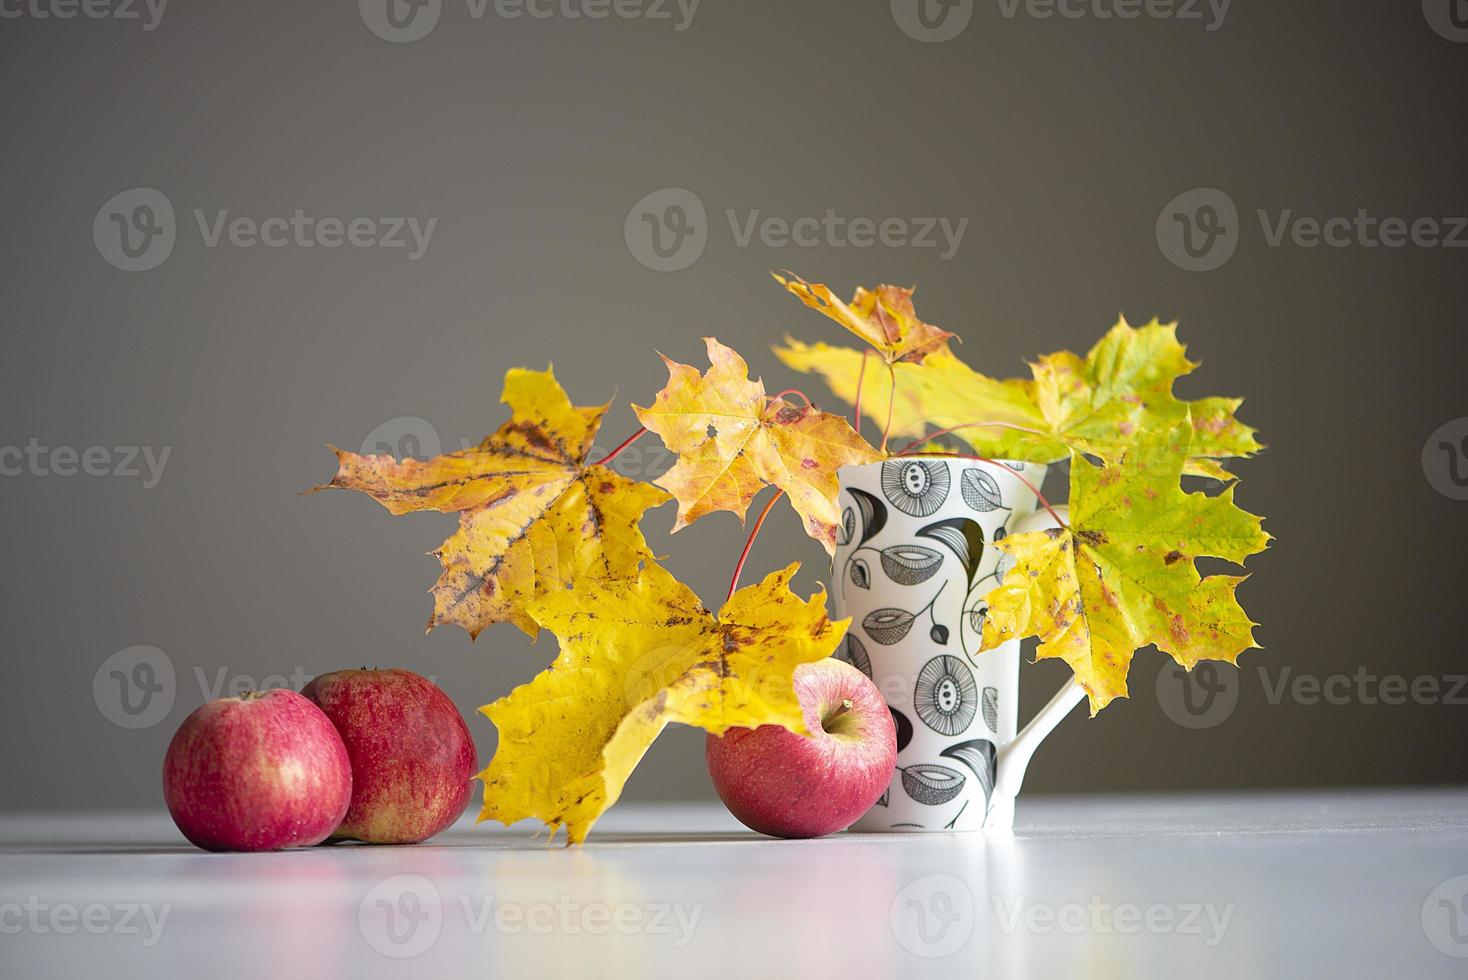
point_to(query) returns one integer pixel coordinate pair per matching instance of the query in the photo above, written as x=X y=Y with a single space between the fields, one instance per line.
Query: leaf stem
x=744 y=555
x=860 y=377
x=1018 y=476
x=618 y=451
x=891 y=403
x=967 y=425
x=794 y=391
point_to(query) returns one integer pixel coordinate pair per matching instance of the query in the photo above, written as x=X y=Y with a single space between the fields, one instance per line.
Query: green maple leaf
x=1123 y=386
x=1121 y=576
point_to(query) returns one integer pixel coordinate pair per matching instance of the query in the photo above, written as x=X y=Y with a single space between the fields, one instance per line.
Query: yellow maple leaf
x=1095 y=405
x=636 y=655
x=884 y=317
x=941 y=392
x=732 y=440
x=533 y=513
x=1121 y=576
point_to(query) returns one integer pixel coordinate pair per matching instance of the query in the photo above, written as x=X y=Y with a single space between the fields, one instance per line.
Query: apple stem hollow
x=841 y=709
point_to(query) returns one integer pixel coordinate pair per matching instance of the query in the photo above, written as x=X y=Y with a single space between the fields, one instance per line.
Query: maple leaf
x=941 y=392
x=634 y=656
x=1121 y=575
x=533 y=513
x=1095 y=405
x=732 y=440
x=884 y=317
x=1098 y=404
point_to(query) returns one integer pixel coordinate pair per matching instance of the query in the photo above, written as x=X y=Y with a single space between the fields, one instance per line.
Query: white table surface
x=1242 y=886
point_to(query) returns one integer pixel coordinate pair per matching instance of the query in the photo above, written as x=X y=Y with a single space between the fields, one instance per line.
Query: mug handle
x=1012 y=760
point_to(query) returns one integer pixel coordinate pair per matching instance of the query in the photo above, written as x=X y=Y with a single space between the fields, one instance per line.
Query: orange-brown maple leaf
x=732 y=440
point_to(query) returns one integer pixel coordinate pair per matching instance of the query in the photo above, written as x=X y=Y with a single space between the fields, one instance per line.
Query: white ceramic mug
x=914 y=559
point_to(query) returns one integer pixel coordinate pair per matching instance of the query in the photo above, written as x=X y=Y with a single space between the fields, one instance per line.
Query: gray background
x=530 y=140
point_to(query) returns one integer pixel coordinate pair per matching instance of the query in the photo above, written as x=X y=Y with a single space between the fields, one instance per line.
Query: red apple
x=259 y=772
x=412 y=756
x=787 y=785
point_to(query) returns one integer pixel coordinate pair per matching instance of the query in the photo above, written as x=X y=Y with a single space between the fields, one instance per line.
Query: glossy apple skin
x=787 y=785
x=413 y=758
x=260 y=772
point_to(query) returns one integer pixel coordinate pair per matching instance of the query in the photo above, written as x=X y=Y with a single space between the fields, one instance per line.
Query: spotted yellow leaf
x=634 y=656
x=1121 y=576
x=732 y=440
x=534 y=515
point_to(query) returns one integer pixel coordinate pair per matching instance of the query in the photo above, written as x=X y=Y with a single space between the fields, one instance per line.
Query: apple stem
x=841 y=709
x=618 y=451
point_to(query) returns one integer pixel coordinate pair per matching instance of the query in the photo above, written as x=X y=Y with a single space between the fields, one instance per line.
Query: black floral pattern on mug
x=945 y=696
x=932 y=785
x=855 y=654
x=917 y=487
x=980 y=491
x=872 y=511
x=961 y=535
x=979 y=755
x=888 y=626
x=910 y=564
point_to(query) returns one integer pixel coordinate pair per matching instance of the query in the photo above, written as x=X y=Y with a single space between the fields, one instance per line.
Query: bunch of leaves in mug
x=549 y=538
